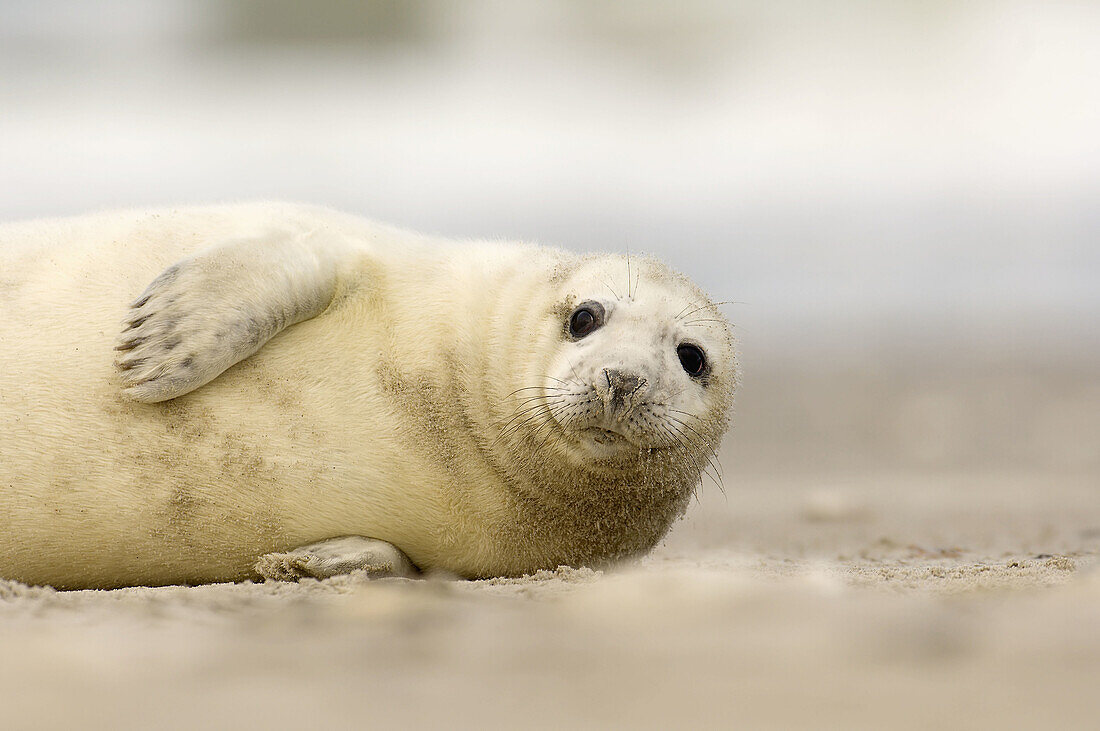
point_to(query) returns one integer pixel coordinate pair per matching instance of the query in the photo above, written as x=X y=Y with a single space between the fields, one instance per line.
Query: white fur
x=377 y=559
x=389 y=410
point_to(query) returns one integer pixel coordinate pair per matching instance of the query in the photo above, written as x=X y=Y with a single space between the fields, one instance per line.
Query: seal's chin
x=606 y=437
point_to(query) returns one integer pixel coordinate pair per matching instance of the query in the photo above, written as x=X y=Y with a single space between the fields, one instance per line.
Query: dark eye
x=692 y=359
x=585 y=319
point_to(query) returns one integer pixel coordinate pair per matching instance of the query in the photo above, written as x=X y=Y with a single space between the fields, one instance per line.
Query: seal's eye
x=585 y=319
x=692 y=359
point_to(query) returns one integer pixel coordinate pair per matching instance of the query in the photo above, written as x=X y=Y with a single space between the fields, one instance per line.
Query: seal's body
x=471 y=403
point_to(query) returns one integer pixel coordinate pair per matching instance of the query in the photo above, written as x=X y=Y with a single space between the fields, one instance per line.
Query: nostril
x=622 y=384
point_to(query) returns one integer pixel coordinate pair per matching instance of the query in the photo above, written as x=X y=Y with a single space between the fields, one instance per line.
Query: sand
x=893 y=601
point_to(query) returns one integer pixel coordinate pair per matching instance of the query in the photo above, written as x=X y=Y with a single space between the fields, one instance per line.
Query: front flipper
x=337 y=556
x=210 y=311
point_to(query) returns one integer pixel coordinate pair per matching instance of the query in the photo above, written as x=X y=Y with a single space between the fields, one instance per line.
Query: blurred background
x=900 y=196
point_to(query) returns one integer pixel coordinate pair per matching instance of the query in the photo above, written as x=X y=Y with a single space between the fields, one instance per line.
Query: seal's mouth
x=606 y=437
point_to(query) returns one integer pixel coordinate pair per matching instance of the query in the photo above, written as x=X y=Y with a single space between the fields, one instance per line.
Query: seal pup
x=297 y=391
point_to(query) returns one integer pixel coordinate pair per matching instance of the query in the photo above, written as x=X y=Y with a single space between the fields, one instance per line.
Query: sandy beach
x=957 y=601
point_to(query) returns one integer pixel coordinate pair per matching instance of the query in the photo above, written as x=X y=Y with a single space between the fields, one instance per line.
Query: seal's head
x=640 y=377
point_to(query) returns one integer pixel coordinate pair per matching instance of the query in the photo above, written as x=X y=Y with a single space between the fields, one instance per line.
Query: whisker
x=716 y=477
x=687 y=414
x=516 y=420
x=683 y=309
x=574 y=370
x=512 y=429
x=557 y=417
x=628 y=294
x=703 y=439
x=709 y=305
x=533 y=388
x=684 y=448
x=529 y=411
x=529 y=399
x=611 y=289
x=526 y=409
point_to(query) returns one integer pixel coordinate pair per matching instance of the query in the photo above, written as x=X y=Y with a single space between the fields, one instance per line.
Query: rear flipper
x=337 y=556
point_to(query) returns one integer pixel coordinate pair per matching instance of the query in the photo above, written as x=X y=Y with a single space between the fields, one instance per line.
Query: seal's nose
x=621 y=388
